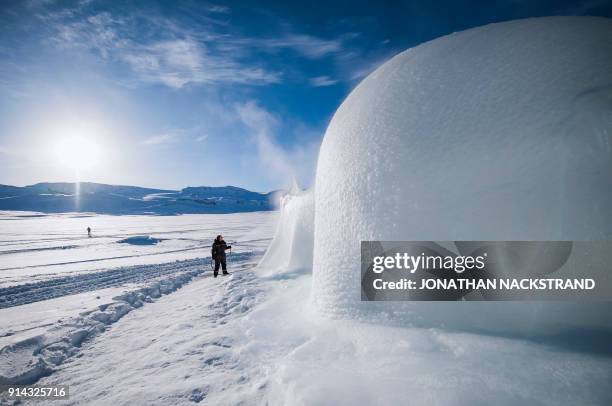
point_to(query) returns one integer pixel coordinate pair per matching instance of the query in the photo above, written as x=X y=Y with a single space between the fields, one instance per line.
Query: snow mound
x=500 y=132
x=291 y=249
x=140 y=240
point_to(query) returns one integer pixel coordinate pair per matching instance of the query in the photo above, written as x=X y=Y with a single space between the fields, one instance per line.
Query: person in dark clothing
x=218 y=254
x=89 y=231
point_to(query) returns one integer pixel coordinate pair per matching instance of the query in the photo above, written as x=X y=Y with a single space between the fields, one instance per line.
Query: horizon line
x=142 y=187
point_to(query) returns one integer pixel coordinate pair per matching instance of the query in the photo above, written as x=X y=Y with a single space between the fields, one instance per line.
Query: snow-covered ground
x=255 y=338
x=58 y=287
x=247 y=341
x=35 y=246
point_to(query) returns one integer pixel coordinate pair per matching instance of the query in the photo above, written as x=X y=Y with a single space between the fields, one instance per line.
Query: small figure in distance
x=89 y=232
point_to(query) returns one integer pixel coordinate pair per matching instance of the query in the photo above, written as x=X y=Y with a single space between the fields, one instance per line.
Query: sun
x=77 y=153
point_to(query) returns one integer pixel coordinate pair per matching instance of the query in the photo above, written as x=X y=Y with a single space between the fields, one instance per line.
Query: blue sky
x=177 y=94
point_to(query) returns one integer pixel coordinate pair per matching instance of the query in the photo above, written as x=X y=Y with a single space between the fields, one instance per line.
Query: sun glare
x=77 y=153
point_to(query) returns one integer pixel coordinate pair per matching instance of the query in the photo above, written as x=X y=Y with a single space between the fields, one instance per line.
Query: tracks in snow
x=68 y=285
x=26 y=361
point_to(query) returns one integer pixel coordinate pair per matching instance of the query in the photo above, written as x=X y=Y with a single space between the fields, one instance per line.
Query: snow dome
x=502 y=132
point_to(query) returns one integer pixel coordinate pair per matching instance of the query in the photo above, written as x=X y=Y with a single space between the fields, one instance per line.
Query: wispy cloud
x=176 y=63
x=163 y=50
x=177 y=135
x=181 y=57
x=99 y=32
x=218 y=8
x=320 y=81
x=283 y=164
x=306 y=45
x=161 y=139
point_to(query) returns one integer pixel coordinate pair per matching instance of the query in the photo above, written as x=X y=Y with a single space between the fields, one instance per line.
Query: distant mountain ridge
x=59 y=197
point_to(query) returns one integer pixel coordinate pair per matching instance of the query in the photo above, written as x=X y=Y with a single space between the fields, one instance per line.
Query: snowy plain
x=59 y=287
x=35 y=246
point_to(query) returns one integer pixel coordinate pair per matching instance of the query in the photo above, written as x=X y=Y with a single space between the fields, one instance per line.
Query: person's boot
x=215 y=274
x=225 y=273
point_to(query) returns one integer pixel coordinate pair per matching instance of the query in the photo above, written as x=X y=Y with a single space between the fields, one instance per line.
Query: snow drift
x=500 y=132
x=290 y=252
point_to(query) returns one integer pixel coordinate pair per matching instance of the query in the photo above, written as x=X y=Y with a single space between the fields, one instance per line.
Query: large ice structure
x=502 y=132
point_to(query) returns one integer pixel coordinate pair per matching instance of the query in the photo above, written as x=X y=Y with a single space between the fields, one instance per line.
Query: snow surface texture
x=51 y=304
x=83 y=282
x=36 y=246
x=291 y=249
x=25 y=362
x=501 y=132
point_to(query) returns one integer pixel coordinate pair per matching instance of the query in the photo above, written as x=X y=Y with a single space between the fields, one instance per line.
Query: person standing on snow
x=89 y=231
x=218 y=254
